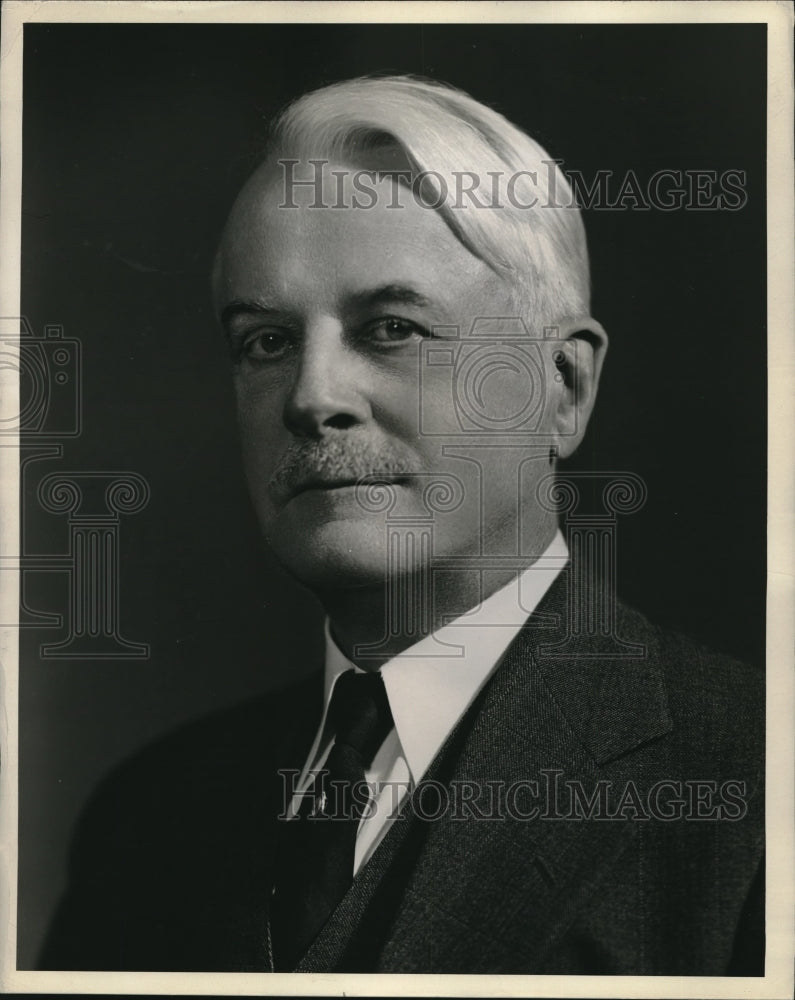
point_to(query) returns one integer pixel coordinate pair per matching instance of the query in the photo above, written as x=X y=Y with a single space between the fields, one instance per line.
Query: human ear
x=578 y=356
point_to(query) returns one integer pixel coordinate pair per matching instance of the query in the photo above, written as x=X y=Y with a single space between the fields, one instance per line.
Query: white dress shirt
x=430 y=685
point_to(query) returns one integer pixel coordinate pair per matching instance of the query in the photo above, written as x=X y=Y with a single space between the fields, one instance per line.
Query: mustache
x=333 y=461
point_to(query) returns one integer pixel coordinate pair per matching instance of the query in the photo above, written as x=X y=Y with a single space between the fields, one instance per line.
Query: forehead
x=310 y=255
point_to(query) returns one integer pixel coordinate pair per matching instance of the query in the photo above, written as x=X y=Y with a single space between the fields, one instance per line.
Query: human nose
x=326 y=394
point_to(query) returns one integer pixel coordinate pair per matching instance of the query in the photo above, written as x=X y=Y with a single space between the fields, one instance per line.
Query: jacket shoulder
x=716 y=702
x=210 y=749
x=174 y=836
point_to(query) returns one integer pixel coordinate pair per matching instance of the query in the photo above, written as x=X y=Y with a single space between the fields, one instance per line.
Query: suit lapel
x=496 y=894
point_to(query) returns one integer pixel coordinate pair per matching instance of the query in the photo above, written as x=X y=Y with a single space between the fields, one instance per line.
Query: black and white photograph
x=396 y=549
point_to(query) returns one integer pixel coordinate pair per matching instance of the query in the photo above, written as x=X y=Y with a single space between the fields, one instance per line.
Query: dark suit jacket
x=172 y=865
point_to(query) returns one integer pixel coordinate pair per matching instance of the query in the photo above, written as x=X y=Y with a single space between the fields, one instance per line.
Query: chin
x=337 y=554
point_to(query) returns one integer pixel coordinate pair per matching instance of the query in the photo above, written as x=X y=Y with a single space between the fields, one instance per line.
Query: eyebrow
x=244 y=307
x=390 y=293
x=370 y=298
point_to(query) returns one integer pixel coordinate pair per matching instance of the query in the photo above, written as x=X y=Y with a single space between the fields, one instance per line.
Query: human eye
x=262 y=346
x=393 y=330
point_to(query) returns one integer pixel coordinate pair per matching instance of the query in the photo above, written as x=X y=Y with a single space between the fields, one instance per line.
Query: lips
x=320 y=483
x=331 y=483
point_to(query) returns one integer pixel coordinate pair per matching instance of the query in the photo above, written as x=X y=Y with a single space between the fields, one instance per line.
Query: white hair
x=435 y=127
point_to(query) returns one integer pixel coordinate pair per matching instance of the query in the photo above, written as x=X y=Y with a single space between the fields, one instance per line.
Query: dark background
x=136 y=139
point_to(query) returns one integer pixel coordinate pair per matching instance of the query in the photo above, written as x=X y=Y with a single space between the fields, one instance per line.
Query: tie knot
x=359 y=713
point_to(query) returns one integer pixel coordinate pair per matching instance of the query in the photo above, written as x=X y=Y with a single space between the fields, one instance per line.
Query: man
x=499 y=767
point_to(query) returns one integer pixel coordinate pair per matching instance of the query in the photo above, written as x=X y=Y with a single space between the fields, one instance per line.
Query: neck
x=367 y=617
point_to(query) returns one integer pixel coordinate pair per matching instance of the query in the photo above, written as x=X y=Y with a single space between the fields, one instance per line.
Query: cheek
x=469 y=392
x=263 y=439
x=477 y=391
x=393 y=394
x=259 y=410
x=430 y=399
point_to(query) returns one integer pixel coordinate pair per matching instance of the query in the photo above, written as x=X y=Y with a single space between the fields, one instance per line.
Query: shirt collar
x=429 y=686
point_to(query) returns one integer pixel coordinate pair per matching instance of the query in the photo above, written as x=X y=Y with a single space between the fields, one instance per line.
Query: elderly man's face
x=329 y=313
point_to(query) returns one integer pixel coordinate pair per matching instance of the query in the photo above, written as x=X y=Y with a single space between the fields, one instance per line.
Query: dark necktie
x=314 y=864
